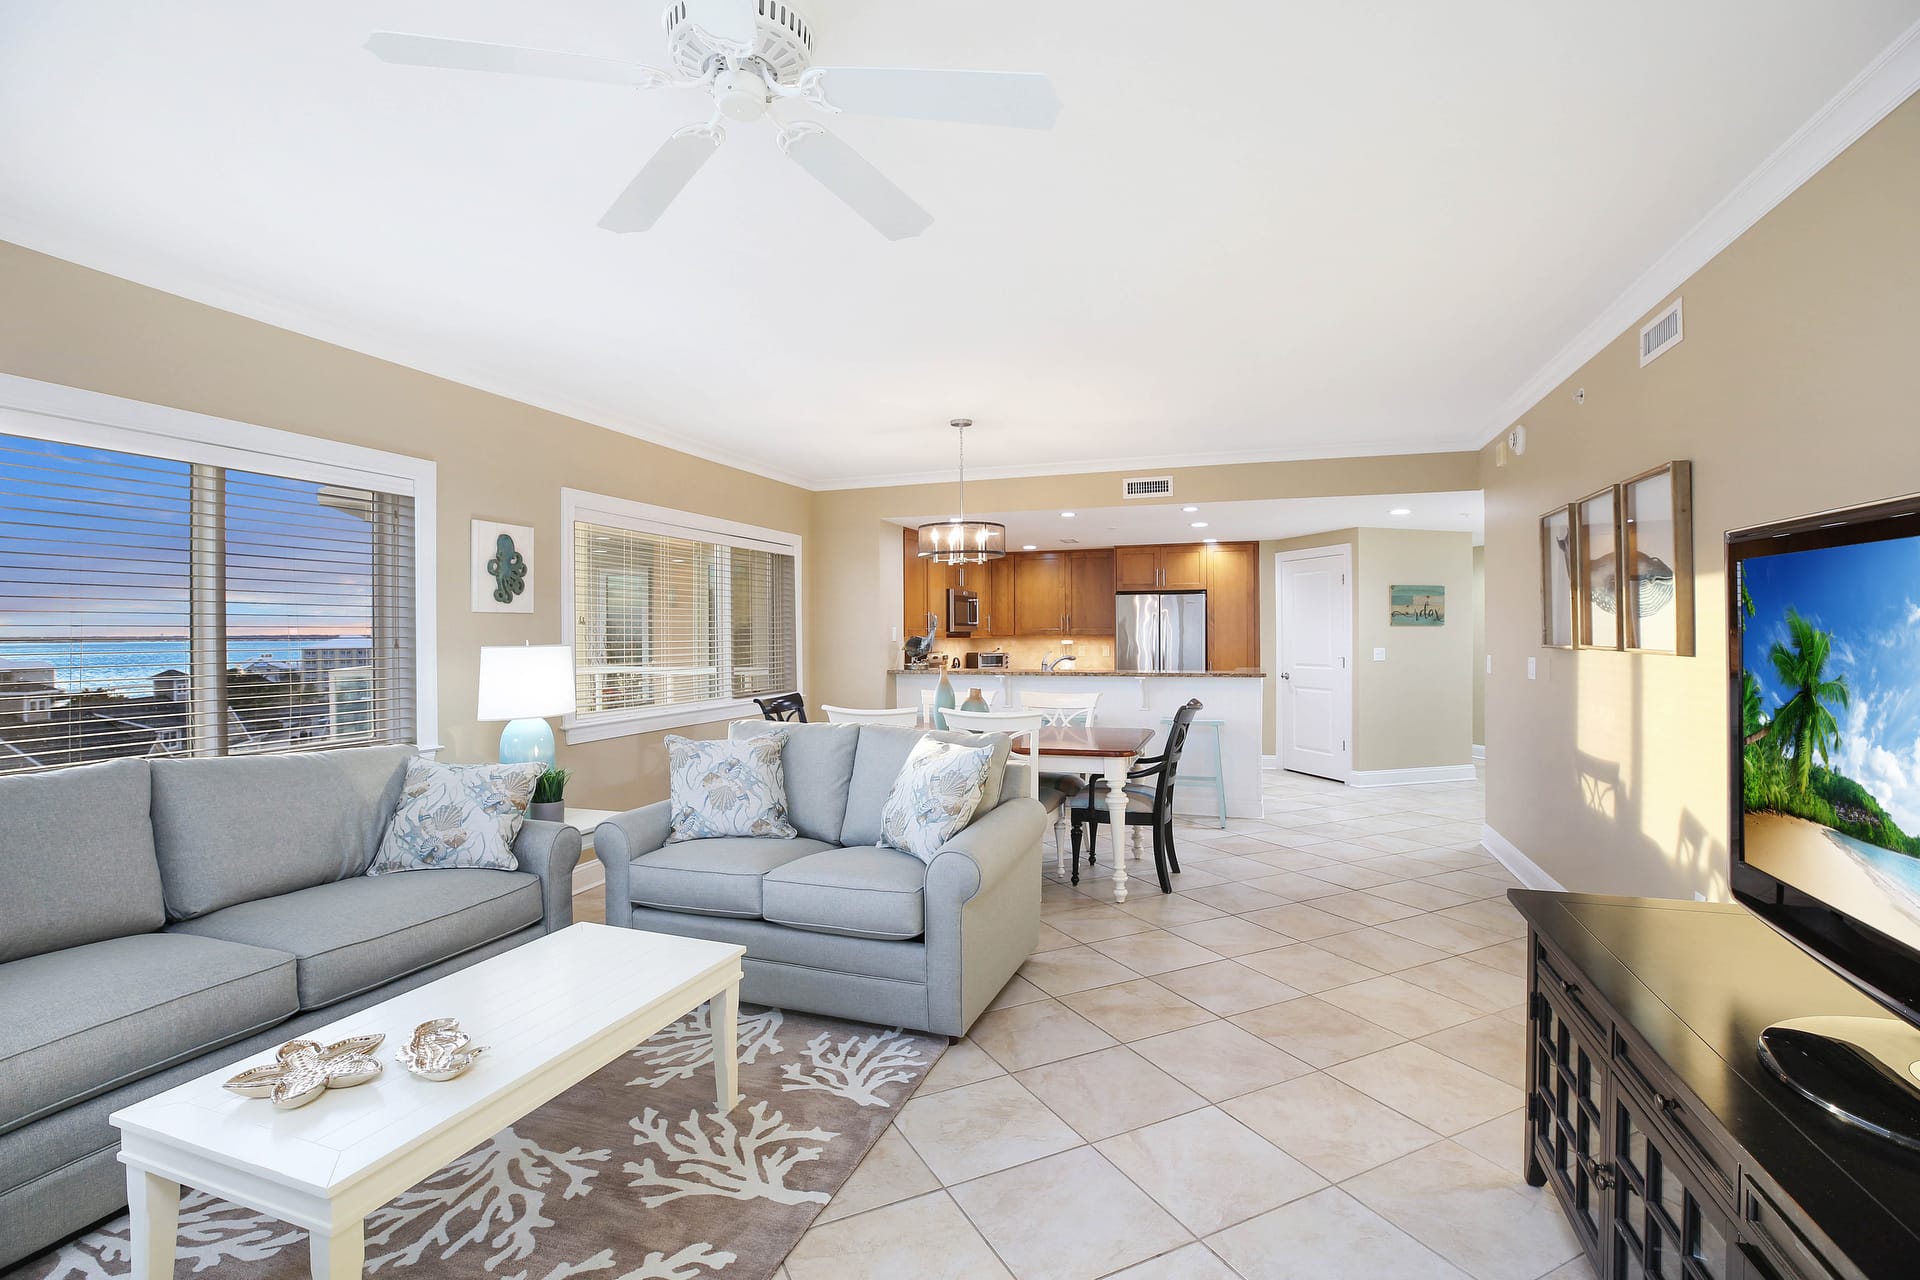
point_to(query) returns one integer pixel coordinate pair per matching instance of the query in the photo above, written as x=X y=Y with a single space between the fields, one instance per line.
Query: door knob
x=1285 y=676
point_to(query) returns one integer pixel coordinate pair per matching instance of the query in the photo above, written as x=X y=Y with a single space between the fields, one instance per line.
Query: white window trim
x=70 y=415
x=641 y=517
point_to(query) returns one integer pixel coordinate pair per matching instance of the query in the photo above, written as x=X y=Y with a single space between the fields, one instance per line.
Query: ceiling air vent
x=1660 y=333
x=1147 y=487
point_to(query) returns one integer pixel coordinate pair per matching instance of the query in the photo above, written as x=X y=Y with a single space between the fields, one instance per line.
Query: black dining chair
x=783 y=706
x=1147 y=805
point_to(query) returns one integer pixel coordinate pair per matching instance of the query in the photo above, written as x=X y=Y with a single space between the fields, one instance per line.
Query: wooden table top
x=1079 y=740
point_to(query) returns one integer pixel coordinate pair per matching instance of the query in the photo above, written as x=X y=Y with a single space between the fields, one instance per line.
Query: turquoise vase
x=942 y=701
x=974 y=702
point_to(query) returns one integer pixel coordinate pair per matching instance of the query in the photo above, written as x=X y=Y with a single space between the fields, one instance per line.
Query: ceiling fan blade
x=1018 y=99
x=729 y=22
x=867 y=191
x=665 y=176
x=474 y=55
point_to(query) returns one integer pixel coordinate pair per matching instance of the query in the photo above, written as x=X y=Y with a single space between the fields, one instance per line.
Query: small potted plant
x=549 y=796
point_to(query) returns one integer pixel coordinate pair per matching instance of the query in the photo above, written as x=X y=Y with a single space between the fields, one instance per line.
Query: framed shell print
x=1596 y=604
x=1558 y=560
x=1657 y=550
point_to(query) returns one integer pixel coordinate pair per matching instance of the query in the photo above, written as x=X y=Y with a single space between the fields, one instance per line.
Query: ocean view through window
x=166 y=607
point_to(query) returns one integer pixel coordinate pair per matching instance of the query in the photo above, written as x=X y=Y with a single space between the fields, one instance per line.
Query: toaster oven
x=994 y=661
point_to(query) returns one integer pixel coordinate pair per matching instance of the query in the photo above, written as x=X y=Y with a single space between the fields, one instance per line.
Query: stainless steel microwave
x=963 y=611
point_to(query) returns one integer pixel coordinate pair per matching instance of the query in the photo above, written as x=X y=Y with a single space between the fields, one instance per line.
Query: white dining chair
x=1062 y=708
x=908 y=716
x=1024 y=724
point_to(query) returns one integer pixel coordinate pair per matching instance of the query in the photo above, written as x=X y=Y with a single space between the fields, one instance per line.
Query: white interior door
x=1315 y=688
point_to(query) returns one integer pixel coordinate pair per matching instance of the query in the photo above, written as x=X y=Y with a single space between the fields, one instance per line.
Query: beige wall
x=497 y=459
x=1791 y=393
x=1480 y=646
x=1415 y=709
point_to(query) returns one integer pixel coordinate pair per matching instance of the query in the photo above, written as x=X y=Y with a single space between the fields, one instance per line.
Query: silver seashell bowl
x=302 y=1070
x=438 y=1050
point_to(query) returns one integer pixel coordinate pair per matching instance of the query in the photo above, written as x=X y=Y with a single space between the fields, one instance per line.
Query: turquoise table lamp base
x=527 y=741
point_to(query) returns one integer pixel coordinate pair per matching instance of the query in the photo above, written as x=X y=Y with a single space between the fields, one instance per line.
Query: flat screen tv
x=1824 y=656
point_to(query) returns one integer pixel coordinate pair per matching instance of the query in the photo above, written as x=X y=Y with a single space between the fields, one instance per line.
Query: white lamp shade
x=526 y=681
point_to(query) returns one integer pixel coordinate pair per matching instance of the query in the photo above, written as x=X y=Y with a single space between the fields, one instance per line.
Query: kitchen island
x=1141 y=699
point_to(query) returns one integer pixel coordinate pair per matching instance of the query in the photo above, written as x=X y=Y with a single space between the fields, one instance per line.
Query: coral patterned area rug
x=627 y=1176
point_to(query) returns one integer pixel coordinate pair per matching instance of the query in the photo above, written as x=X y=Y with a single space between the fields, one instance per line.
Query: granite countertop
x=1030 y=671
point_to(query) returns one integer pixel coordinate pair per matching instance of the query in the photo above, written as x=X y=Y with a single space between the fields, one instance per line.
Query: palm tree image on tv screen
x=1830 y=709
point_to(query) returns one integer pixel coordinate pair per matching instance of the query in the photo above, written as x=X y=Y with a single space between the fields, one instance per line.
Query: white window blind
x=151 y=606
x=670 y=619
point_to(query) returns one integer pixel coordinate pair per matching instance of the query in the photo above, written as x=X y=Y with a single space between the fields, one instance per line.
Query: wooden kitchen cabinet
x=1136 y=568
x=996 y=601
x=1041 y=581
x=1175 y=568
x=913 y=586
x=1090 y=588
x=1231 y=574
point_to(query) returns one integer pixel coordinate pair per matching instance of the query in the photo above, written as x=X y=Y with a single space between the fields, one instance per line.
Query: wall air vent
x=1659 y=334
x=1068 y=542
x=1147 y=487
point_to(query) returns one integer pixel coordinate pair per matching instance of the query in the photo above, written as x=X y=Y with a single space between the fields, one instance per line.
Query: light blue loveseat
x=161 y=918
x=832 y=922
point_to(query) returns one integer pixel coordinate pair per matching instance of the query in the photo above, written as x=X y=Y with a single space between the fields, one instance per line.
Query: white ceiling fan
x=755 y=58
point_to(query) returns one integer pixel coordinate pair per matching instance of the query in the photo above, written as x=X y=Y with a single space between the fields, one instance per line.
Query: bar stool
x=1218 y=780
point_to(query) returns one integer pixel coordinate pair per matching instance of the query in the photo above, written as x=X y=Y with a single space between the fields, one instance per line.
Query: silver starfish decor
x=302 y=1070
x=438 y=1050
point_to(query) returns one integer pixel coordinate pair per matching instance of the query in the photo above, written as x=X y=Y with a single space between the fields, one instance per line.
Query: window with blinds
x=157 y=607
x=675 y=619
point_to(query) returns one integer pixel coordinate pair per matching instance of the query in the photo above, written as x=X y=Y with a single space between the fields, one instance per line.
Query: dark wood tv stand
x=1673 y=1151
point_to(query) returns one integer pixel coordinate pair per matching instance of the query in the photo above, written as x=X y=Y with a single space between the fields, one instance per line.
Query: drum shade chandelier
x=960 y=540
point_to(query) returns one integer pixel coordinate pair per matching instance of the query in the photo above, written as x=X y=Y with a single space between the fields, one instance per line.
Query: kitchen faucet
x=1051 y=663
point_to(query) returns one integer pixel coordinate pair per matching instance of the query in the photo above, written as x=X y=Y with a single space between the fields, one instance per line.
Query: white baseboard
x=1411 y=777
x=1479 y=751
x=1524 y=869
x=1269 y=762
x=588 y=875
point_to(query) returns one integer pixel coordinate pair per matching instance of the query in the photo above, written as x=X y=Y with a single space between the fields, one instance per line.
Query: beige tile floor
x=1305 y=1063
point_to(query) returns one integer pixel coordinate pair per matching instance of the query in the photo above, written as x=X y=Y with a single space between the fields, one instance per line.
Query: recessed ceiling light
x=1030 y=547
x=1401 y=511
x=1189 y=508
x=1199 y=524
x=1066 y=515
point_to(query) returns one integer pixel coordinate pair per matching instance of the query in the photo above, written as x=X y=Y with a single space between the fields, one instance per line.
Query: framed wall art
x=1559 y=553
x=502 y=567
x=1596 y=601
x=1416 y=606
x=1657 y=536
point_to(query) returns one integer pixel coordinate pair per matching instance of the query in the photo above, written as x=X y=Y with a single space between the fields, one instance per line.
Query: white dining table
x=1093 y=751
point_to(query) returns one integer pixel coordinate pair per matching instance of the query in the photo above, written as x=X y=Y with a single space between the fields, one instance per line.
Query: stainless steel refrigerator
x=1160 y=631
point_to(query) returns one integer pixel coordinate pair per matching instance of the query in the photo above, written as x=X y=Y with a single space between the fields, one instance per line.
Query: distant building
x=27 y=691
x=319 y=657
x=172 y=685
x=271 y=671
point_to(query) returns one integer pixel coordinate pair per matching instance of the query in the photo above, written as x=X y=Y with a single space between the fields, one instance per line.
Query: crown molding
x=1886 y=82
x=1133 y=465
x=182 y=281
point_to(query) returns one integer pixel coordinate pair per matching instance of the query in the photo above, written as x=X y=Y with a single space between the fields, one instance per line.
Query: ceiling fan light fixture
x=959 y=540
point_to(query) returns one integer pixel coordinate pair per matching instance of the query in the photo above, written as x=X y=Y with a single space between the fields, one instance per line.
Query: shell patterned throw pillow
x=728 y=788
x=934 y=796
x=457 y=815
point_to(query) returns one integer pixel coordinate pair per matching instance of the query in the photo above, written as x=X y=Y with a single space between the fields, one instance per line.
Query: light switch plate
x=1379 y=655
x=1533 y=668
x=1489 y=664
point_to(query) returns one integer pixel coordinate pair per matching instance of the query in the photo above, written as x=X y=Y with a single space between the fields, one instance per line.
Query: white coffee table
x=553 y=1012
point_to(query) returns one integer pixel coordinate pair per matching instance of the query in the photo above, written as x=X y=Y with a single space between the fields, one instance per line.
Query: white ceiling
x=1275 y=230
x=1146 y=523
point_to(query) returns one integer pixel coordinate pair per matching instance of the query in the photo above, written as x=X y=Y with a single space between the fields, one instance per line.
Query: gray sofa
x=832 y=922
x=159 y=919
